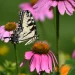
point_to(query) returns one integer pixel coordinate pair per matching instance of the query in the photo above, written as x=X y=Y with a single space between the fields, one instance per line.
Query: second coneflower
x=7 y=30
x=73 y=54
x=41 y=58
x=41 y=15
x=67 y=6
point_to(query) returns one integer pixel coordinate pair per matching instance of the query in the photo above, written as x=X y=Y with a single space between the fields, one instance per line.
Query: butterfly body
x=26 y=30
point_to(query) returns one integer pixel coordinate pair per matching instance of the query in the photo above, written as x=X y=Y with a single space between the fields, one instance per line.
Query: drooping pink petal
x=50 y=62
x=61 y=7
x=54 y=57
x=2 y=29
x=38 y=62
x=46 y=6
x=24 y=6
x=72 y=2
x=1 y=34
x=73 y=54
x=40 y=3
x=22 y=63
x=69 y=13
x=41 y=17
x=69 y=7
x=6 y=34
x=28 y=55
x=44 y=63
x=32 y=64
x=54 y=3
x=49 y=14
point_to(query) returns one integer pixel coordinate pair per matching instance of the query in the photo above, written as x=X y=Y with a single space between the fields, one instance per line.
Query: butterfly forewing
x=28 y=28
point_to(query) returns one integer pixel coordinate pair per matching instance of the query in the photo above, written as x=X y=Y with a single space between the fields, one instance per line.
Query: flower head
x=65 y=69
x=73 y=54
x=7 y=30
x=41 y=47
x=33 y=2
x=41 y=15
x=10 y=26
x=41 y=58
x=67 y=6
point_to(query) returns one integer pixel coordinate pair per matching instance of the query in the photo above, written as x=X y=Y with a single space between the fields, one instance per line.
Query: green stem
x=16 y=58
x=41 y=73
x=57 y=34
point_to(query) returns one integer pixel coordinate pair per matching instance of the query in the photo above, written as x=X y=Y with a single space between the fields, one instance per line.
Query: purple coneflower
x=41 y=58
x=67 y=6
x=7 y=30
x=41 y=15
x=73 y=54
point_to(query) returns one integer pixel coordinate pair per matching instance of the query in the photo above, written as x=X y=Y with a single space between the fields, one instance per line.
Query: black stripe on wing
x=30 y=22
x=20 y=18
x=31 y=19
x=19 y=29
x=32 y=29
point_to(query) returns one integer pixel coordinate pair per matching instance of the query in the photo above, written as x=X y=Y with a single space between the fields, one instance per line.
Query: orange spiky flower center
x=41 y=47
x=33 y=2
x=10 y=26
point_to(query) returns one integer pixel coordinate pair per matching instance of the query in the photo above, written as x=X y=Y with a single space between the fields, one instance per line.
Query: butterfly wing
x=30 y=40
x=29 y=33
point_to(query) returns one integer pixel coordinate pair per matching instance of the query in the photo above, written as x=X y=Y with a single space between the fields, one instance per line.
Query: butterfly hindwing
x=30 y=41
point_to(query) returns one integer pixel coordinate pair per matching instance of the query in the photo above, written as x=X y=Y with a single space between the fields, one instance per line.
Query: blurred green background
x=9 y=10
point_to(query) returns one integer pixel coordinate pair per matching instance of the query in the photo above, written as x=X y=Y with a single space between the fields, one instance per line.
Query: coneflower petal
x=28 y=55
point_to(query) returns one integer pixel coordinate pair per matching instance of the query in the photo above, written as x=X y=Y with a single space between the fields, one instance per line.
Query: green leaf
x=71 y=62
x=13 y=64
x=72 y=71
x=2 y=73
x=54 y=73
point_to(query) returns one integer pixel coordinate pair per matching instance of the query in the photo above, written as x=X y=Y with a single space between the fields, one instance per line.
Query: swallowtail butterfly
x=26 y=31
